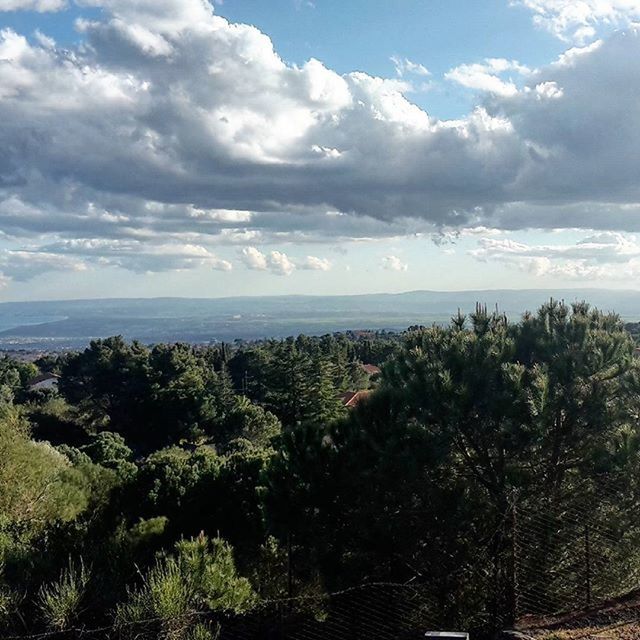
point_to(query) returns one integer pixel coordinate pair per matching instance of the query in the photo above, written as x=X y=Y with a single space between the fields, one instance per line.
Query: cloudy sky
x=177 y=147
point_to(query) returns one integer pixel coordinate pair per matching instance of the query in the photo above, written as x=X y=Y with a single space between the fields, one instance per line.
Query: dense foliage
x=157 y=489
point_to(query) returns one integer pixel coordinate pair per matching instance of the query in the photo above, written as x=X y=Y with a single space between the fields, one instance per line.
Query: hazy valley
x=71 y=324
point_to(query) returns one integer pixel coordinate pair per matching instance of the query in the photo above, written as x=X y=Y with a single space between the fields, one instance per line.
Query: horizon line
x=330 y=295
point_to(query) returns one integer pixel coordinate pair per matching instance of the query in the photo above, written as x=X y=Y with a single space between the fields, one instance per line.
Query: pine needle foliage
x=179 y=591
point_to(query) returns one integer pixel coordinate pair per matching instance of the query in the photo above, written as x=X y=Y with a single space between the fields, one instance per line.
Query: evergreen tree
x=289 y=390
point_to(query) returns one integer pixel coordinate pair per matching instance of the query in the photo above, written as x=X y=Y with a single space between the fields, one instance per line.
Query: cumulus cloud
x=600 y=256
x=276 y=262
x=314 y=263
x=280 y=263
x=212 y=119
x=578 y=20
x=254 y=259
x=171 y=127
x=393 y=263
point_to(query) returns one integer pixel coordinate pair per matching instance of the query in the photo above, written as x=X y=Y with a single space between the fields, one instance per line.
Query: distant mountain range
x=72 y=323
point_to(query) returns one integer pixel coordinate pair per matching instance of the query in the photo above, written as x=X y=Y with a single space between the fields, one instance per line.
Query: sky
x=182 y=148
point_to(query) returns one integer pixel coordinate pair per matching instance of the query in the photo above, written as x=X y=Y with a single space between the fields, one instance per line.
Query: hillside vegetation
x=168 y=491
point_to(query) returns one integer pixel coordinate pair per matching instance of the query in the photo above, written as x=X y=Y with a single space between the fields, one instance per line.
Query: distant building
x=44 y=381
x=351 y=399
x=371 y=369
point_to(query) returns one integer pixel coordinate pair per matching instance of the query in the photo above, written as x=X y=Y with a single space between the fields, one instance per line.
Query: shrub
x=179 y=590
x=60 y=601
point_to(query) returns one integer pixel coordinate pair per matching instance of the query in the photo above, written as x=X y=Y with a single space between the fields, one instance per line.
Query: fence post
x=587 y=563
x=515 y=605
x=289 y=565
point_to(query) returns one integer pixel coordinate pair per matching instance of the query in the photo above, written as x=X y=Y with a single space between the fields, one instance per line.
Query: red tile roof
x=351 y=399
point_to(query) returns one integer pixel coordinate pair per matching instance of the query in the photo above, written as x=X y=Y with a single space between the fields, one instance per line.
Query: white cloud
x=393 y=263
x=446 y=236
x=32 y=5
x=156 y=18
x=280 y=263
x=234 y=108
x=22 y=265
x=548 y=91
x=485 y=76
x=314 y=263
x=602 y=256
x=578 y=20
x=404 y=66
x=136 y=255
x=276 y=262
x=254 y=259
x=221 y=215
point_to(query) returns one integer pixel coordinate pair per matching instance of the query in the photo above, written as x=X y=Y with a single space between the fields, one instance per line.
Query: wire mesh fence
x=380 y=611
x=579 y=551
x=384 y=611
x=564 y=561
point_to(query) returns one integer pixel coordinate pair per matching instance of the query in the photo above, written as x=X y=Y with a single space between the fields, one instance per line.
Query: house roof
x=371 y=369
x=43 y=377
x=351 y=399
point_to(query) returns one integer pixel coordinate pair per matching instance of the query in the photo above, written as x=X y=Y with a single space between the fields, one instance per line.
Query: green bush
x=180 y=589
x=9 y=603
x=60 y=602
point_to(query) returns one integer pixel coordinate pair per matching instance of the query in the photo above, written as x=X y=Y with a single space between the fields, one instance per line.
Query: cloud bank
x=170 y=131
x=610 y=256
